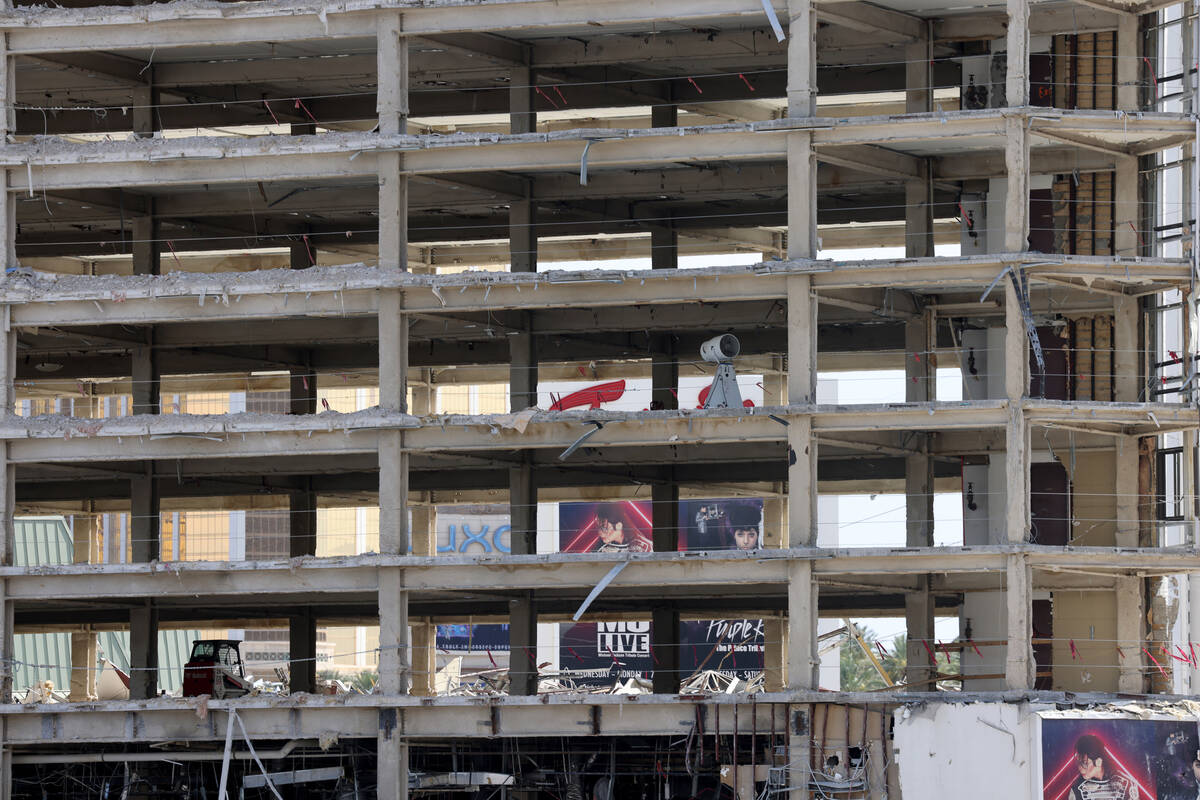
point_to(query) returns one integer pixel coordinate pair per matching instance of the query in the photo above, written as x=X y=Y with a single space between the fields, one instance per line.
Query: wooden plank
x=1102 y=343
x=1085 y=76
x=1084 y=192
x=1105 y=69
x=1060 y=54
x=1102 y=219
x=1083 y=358
x=1060 y=195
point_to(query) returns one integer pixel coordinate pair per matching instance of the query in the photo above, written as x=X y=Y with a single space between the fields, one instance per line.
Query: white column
x=1017 y=84
x=1129 y=634
x=1016 y=455
x=392 y=103
x=802 y=59
x=1018 y=665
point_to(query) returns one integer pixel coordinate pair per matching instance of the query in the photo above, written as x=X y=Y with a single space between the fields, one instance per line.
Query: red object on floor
x=591 y=397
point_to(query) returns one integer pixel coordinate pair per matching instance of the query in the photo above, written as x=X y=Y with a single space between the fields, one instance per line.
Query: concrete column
x=302 y=390
x=144 y=112
x=775 y=654
x=665 y=514
x=1128 y=62
x=918 y=617
x=664 y=247
x=143 y=491
x=144 y=513
x=802 y=484
x=522 y=116
x=1018 y=665
x=802 y=659
x=918 y=75
x=424 y=656
x=83 y=643
x=1129 y=633
x=1126 y=211
x=1017 y=447
x=801 y=341
x=8 y=352
x=664 y=372
x=393 y=494
x=7 y=653
x=394 y=666
x=424 y=530
x=1016 y=199
x=83 y=666
x=918 y=216
x=802 y=449
x=424 y=394
x=665 y=114
x=1127 y=352
x=522 y=368
x=1125 y=486
x=775 y=518
x=146 y=378
x=522 y=509
x=147 y=241
x=394 y=673
x=920 y=387
x=1017 y=83
x=302 y=651
x=393 y=352
x=522 y=232
x=143 y=651
x=302 y=521
x=801 y=59
x=802 y=196
x=393 y=212
x=522 y=213
x=8 y=209
x=522 y=617
x=522 y=646
x=664 y=644
x=392 y=103
x=301 y=253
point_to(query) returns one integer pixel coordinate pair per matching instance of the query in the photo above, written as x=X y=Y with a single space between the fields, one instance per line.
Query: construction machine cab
x=215 y=668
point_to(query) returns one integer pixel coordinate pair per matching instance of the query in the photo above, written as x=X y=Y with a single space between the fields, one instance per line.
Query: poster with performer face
x=734 y=524
x=1120 y=759
x=618 y=527
x=597 y=654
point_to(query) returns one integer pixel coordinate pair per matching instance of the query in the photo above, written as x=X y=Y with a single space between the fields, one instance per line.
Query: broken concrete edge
x=1038 y=700
x=376 y=419
x=227 y=287
x=41 y=150
x=952 y=559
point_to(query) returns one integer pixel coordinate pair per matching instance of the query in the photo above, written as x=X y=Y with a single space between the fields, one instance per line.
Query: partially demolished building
x=369 y=333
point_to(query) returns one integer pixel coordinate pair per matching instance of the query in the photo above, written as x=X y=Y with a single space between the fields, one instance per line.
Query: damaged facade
x=370 y=335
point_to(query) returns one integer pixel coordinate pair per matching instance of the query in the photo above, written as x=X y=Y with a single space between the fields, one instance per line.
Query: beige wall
x=1090 y=620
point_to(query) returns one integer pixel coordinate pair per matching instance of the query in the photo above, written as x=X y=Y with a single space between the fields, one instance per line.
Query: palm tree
x=859 y=673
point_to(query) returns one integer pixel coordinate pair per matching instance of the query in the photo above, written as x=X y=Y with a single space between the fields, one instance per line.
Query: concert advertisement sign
x=597 y=653
x=1120 y=759
x=473 y=638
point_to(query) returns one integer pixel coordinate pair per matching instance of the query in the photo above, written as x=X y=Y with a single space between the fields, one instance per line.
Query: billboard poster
x=488 y=637
x=620 y=527
x=473 y=529
x=1120 y=759
x=721 y=524
x=599 y=653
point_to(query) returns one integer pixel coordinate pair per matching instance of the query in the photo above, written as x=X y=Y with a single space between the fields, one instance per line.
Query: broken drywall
x=966 y=750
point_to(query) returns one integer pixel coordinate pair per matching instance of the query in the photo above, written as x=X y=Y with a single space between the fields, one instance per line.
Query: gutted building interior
x=500 y=373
